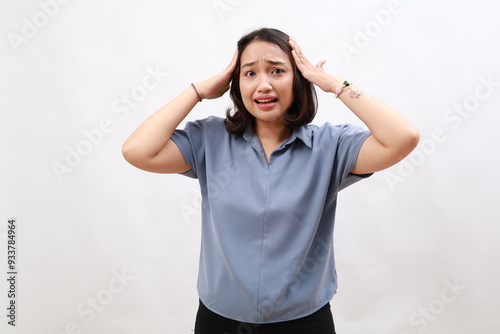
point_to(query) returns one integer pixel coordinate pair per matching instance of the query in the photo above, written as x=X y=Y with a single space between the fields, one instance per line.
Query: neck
x=272 y=132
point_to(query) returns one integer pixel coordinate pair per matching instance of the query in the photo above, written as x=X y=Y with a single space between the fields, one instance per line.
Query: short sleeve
x=190 y=143
x=351 y=138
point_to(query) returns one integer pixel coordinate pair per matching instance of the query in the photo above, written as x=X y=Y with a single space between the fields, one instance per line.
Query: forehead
x=265 y=51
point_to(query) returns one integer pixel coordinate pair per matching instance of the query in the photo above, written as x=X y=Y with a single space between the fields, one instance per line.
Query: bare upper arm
x=168 y=160
x=373 y=157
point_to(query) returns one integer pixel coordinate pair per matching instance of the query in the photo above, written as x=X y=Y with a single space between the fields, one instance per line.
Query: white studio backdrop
x=102 y=247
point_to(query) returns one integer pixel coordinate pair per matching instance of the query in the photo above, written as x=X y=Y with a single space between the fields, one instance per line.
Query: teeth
x=265 y=101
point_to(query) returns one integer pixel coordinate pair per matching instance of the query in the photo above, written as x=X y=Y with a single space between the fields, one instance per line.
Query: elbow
x=410 y=140
x=129 y=154
x=413 y=137
x=135 y=155
x=126 y=153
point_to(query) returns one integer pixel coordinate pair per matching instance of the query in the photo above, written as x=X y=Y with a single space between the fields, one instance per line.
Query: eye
x=277 y=71
x=249 y=73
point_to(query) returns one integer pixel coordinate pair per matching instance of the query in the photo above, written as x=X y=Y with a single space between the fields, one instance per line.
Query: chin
x=268 y=115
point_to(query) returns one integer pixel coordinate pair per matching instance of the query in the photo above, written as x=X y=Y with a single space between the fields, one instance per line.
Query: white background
x=416 y=245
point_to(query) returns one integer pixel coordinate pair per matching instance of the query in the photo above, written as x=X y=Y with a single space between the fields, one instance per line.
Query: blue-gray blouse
x=267 y=227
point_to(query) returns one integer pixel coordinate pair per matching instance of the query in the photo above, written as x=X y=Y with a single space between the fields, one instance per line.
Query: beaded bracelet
x=192 y=84
x=339 y=91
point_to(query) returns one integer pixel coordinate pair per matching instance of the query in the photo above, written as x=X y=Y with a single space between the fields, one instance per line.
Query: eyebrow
x=272 y=62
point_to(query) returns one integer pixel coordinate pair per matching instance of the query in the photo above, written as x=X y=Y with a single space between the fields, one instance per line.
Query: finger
x=235 y=57
x=298 y=55
x=232 y=64
x=300 y=59
x=321 y=63
x=293 y=40
x=295 y=46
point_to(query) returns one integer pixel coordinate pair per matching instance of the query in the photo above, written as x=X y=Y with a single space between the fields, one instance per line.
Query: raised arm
x=150 y=147
x=393 y=136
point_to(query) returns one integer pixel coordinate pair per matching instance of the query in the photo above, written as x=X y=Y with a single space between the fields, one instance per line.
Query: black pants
x=320 y=322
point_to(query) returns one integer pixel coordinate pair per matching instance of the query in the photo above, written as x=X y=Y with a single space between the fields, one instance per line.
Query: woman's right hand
x=150 y=146
x=217 y=85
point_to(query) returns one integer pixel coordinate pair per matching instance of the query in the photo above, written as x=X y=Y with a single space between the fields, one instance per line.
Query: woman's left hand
x=315 y=74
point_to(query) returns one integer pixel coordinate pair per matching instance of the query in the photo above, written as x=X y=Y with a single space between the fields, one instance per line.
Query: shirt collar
x=303 y=133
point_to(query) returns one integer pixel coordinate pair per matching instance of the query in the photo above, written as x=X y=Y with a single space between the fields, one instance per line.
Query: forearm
x=153 y=134
x=393 y=136
x=389 y=127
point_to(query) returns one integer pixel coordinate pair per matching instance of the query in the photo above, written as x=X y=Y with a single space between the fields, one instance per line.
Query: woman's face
x=266 y=81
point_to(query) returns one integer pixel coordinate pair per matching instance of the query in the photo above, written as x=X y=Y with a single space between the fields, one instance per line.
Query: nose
x=264 y=84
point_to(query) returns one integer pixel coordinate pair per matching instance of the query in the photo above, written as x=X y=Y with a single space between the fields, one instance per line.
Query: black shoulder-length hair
x=304 y=105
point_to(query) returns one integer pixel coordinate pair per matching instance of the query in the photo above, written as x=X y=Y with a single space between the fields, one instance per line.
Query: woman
x=269 y=183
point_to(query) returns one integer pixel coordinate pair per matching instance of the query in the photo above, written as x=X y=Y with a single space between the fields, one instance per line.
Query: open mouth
x=266 y=101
